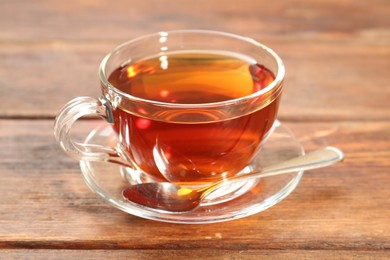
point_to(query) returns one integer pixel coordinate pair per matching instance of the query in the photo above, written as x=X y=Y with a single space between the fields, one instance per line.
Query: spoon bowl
x=177 y=199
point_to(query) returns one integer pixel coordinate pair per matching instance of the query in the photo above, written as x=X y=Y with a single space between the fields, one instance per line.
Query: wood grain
x=46 y=205
x=41 y=77
x=194 y=254
x=102 y=19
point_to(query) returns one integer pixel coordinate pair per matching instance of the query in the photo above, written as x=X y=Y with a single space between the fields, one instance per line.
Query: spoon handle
x=313 y=160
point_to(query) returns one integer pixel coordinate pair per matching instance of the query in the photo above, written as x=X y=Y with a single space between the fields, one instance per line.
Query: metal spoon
x=174 y=198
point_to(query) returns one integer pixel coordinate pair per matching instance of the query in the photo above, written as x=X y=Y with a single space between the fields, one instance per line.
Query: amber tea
x=196 y=152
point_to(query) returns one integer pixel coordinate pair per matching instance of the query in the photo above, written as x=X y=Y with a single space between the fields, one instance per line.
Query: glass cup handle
x=69 y=114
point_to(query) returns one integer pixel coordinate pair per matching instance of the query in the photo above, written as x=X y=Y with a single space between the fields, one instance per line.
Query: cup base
x=230 y=202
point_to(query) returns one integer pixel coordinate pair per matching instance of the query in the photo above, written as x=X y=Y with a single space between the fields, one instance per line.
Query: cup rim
x=274 y=84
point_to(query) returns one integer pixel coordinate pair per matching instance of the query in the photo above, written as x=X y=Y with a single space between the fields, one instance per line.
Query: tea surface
x=191 y=78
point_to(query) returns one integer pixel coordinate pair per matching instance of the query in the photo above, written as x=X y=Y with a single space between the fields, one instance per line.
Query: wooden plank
x=38 y=78
x=102 y=20
x=44 y=203
x=192 y=254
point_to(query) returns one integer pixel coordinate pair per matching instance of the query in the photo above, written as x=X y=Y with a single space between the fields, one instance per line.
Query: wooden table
x=337 y=55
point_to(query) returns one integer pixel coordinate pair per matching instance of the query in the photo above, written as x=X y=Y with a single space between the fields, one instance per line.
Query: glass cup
x=190 y=107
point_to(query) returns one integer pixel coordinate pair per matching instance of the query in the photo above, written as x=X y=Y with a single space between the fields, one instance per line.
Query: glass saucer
x=106 y=180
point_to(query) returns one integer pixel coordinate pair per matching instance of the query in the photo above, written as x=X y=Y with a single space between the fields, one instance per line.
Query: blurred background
x=53 y=48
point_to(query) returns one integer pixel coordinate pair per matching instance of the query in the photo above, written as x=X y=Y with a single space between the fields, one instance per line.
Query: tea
x=192 y=152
